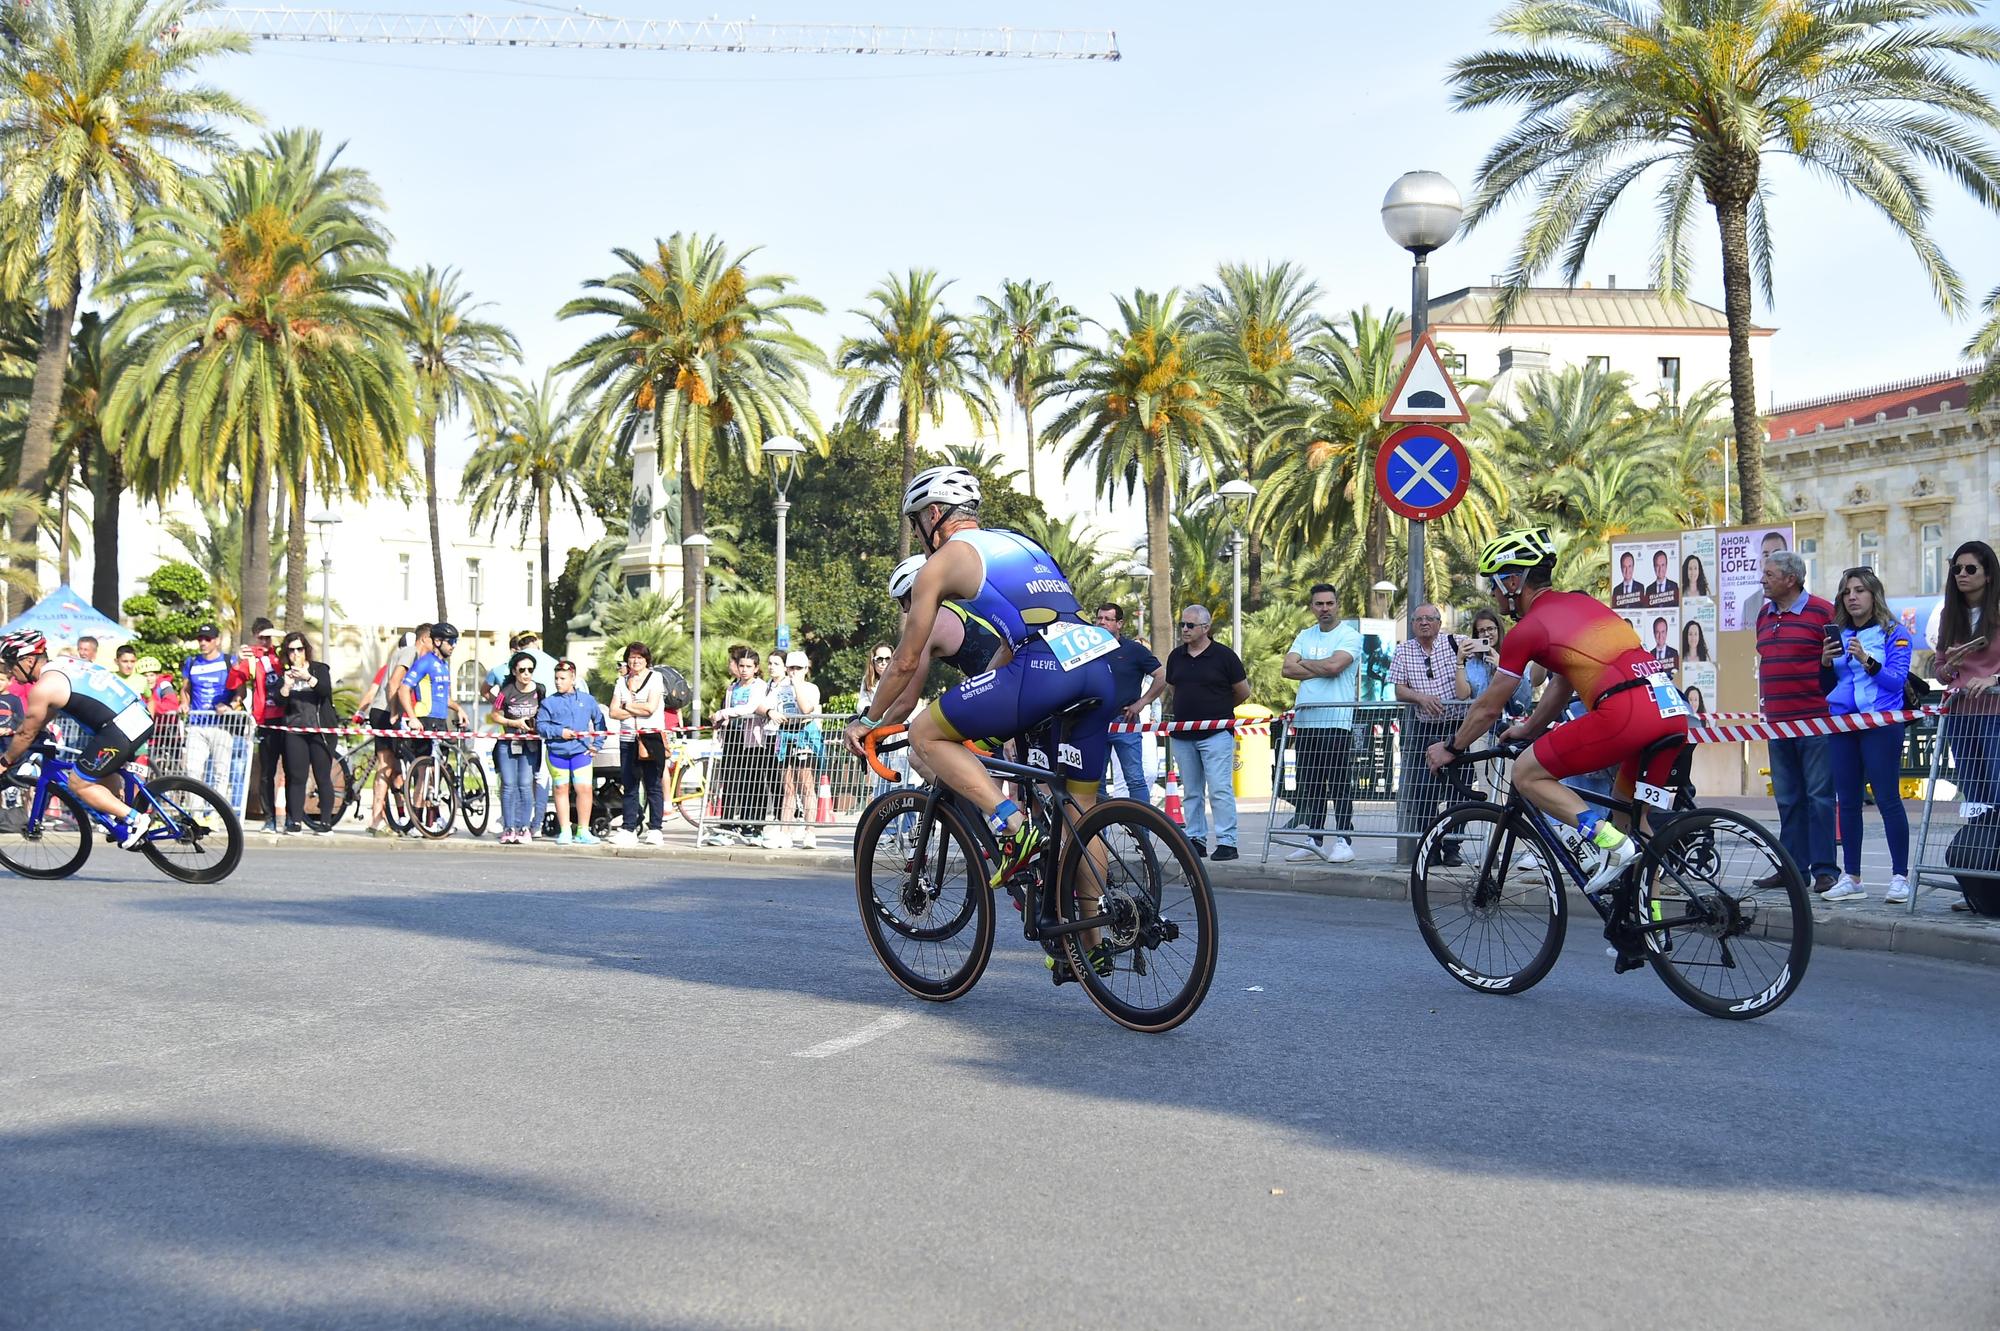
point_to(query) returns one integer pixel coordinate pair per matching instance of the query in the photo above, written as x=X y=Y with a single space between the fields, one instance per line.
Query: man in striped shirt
x=1791 y=629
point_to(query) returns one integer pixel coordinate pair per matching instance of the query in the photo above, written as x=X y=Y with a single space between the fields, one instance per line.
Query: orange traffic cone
x=1174 y=798
x=824 y=813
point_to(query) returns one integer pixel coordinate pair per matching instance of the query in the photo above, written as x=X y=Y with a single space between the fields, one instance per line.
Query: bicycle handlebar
x=1512 y=748
x=879 y=740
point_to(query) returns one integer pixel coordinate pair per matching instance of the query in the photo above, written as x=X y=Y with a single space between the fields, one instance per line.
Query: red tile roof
x=1892 y=400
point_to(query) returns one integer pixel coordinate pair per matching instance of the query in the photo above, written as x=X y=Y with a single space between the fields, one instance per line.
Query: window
x=1868 y=550
x=531 y=585
x=403 y=565
x=470 y=675
x=1602 y=364
x=475 y=584
x=1809 y=551
x=1932 y=575
x=1670 y=377
x=636 y=583
x=1454 y=361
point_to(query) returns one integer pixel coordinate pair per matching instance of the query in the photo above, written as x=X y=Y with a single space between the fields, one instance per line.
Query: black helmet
x=443 y=632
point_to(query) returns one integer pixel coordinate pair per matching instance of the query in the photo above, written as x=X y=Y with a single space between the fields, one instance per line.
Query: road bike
x=447 y=783
x=923 y=859
x=353 y=769
x=1711 y=902
x=195 y=836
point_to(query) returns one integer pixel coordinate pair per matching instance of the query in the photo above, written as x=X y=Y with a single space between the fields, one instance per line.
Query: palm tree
x=920 y=354
x=99 y=116
x=525 y=466
x=1985 y=345
x=1143 y=409
x=706 y=349
x=19 y=507
x=1860 y=92
x=1263 y=318
x=1024 y=336
x=215 y=546
x=456 y=359
x=252 y=347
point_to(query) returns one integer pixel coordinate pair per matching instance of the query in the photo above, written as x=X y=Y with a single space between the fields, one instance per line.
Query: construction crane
x=600 y=32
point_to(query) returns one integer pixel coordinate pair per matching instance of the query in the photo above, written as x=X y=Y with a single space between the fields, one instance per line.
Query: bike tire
x=434 y=814
x=323 y=814
x=690 y=790
x=1772 y=928
x=475 y=796
x=1496 y=933
x=47 y=853
x=924 y=949
x=1158 y=892
x=177 y=798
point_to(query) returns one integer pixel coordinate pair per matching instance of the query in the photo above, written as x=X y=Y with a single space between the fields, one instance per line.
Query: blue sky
x=1246 y=131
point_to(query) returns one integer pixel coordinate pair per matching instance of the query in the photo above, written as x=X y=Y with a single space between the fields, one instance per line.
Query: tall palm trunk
x=295 y=560
x=62 y=529
x=1732 y=215
x=1159 y=554
x=107 y=475
x=255 y=598
x=431 y=503
x=1028 y=424
x=39 y=444
x=906 y=435
x=542 y=517
x=694 y=563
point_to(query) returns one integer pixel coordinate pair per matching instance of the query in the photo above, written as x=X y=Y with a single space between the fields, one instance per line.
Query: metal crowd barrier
x=219 y=749
x=794 y=775
x=1958 y=841
x=1357 y=770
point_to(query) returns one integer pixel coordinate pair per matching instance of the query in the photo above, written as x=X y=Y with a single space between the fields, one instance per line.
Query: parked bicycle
x=446 y=783
x=1711 y=901
x=923 y=858
x=195 y=836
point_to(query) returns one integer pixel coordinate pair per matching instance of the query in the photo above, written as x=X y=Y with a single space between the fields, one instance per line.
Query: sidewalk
x=1870 y=925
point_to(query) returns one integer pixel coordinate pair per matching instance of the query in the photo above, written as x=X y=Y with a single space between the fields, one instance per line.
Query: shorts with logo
x=1614 y=731
x=114 y=743
x=1027 y=691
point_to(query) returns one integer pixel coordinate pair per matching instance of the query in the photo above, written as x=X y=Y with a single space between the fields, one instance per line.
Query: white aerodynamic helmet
x=905 y=576
x=950 y=486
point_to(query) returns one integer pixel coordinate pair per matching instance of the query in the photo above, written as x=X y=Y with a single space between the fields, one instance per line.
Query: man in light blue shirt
x=1322 y=658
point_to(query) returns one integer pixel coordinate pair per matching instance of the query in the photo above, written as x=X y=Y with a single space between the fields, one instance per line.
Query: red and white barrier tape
x=1814 y=725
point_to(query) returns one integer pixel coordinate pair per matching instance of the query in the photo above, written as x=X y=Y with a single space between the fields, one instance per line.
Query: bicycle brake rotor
x=1123 y=908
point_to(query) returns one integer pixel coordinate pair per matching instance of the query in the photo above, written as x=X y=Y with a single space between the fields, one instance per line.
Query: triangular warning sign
x=1425 y=391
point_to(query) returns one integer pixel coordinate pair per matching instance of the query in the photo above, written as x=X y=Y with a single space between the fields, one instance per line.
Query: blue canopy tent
x=65 y=615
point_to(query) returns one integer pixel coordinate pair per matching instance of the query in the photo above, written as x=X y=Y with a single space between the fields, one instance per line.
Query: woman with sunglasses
x=1863 y=670
x=306 y=687
x=518 y=755
x=1968 y=660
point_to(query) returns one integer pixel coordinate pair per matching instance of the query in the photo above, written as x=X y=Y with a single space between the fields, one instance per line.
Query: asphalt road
x=353 y=1089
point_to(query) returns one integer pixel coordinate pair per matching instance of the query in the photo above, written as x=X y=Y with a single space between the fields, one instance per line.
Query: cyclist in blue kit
x=1050 y=656
x=96 y=699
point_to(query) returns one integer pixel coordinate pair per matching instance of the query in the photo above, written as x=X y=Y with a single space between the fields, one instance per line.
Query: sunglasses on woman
x=1966 y=570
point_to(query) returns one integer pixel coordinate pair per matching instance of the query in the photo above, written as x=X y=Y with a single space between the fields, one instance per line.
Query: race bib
x=1666 y=697
x=1078 y=644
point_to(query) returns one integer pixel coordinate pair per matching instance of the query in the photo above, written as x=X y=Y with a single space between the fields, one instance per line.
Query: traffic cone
x=824 y=813
x=1174 y=798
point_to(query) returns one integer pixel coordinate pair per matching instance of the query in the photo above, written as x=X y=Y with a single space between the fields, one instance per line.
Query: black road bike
x=923 y=859
x=1711 y=902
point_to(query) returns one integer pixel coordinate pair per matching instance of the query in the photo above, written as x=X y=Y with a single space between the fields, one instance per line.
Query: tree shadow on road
x=1329 y=1019
x=166 y=1225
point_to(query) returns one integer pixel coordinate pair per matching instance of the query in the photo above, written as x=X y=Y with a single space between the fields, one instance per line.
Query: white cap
x=797 y=659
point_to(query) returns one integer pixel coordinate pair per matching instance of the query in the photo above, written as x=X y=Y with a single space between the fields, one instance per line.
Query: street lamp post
x=784 y=453
x=1135 y=569
x=1420 y=212
x=323 y=521
x=1237 y=494
x=697 y=546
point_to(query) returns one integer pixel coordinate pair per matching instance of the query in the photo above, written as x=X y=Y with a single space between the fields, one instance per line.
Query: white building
x=1665 y=346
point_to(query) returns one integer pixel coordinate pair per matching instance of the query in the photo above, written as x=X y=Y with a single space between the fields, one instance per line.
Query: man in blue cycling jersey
x=426 y=686
x=113 y=716
x=1049 y=658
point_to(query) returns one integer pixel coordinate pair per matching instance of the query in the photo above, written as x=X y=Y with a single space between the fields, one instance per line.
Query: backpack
x=677 y=693
x=1976 y=846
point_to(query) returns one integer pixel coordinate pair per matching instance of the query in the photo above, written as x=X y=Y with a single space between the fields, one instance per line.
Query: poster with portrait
x=1662 y=574
x=1739 y=572
x=1696 y=639
x=1659 y=634
x=1698 y=683
x=1697 y=566
x=1629 y=562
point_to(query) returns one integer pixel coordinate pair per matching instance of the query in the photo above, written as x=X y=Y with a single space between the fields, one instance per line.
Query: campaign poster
x=1697 y=566
x=1739 y=572
x=1696 y=639
x=1659 y=633
x=1698 y=684
x=1629 y=562
x=1662 y=575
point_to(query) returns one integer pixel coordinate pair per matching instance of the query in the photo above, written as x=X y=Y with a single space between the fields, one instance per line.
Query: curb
x=1941 y=940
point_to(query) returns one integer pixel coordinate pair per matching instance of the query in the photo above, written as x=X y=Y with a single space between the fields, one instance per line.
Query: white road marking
x=840 y=1044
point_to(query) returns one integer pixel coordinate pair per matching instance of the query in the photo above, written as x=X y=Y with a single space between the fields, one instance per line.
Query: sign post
x=1407 y=469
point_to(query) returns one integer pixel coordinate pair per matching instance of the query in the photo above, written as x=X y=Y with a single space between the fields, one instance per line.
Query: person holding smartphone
x=1968 y=661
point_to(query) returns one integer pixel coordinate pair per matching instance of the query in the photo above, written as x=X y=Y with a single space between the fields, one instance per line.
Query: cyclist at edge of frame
x=1049 y=657
x=96 y=699
x=1592 y=654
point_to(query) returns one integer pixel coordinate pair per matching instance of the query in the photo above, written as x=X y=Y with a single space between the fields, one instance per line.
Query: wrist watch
x=1453 y=749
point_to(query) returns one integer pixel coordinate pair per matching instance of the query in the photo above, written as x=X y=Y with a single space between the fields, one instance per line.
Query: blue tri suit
x=1024 y=595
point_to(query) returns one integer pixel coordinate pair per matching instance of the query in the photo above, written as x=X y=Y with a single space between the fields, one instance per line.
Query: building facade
x=1893 y=477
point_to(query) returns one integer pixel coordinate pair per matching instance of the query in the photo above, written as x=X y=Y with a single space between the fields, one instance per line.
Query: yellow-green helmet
x=1522 y=548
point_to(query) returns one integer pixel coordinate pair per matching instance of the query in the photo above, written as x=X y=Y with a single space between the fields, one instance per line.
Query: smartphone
x=1832 y=632
x=1967 y=648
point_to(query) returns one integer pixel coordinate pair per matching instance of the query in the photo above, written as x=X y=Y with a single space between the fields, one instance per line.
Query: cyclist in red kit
x=1592 y=654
